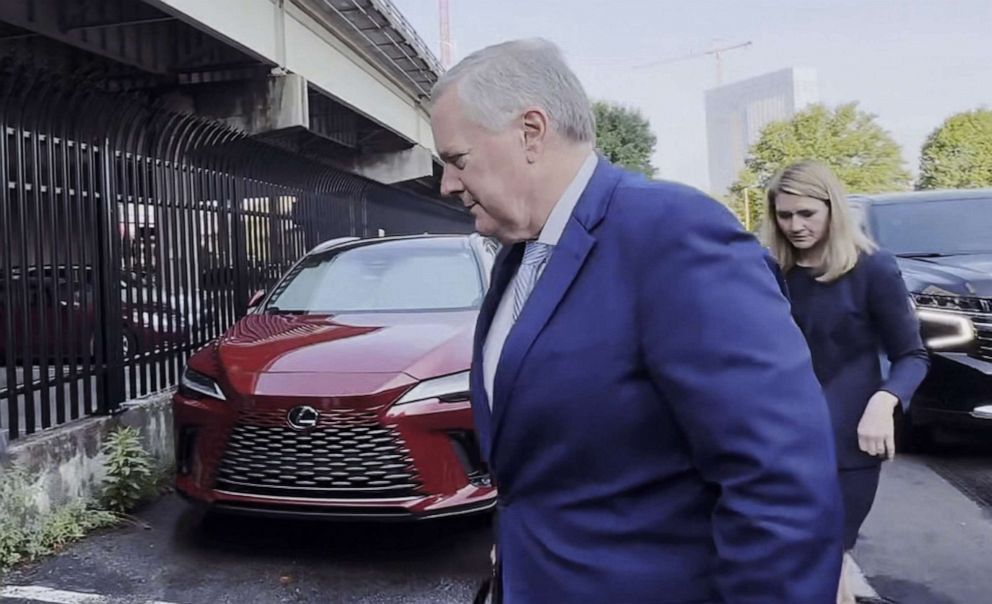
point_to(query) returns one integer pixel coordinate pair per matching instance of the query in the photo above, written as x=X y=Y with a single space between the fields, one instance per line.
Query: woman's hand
x=876 y=430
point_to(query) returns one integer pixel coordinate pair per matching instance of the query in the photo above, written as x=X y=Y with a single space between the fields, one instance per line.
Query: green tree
x=748 y=199
x=624 y=136
x=958 y=154
x=862 y=154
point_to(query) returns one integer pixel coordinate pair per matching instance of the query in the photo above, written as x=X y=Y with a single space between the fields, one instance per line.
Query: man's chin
x=494 y=234
x=483 y=229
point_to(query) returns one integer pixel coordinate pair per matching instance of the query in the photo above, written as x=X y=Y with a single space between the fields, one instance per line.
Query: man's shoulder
x=637 y=186
x=638 y=200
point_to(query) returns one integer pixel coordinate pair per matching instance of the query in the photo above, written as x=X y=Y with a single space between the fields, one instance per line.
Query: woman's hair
x=845 y=238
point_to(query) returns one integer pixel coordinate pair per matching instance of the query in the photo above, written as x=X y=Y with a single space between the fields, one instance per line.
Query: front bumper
x=331 y=509
x=449 y=479
x=956 y=393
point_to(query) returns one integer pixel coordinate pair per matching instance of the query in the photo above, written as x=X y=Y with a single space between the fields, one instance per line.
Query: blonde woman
x=849 y=299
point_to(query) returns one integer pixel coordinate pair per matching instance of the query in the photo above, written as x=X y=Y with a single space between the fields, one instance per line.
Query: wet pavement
x=927 y=541
x=185 y=556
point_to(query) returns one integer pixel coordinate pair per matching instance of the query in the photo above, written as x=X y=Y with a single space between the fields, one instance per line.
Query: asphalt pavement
x=928 y=540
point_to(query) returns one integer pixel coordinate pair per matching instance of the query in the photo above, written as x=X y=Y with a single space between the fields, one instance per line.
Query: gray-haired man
x=644 y=399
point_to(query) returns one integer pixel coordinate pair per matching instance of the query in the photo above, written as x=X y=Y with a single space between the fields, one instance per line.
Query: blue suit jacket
x=657 y=433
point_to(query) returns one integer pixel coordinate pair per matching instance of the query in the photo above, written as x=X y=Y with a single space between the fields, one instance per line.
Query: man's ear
x=536 y=126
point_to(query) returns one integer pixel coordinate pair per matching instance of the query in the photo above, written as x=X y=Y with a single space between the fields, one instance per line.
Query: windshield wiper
x=923 y=255
x=275 y=310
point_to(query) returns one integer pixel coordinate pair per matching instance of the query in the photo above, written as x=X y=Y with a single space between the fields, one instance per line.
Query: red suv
x=61 y=299
x=344 y=391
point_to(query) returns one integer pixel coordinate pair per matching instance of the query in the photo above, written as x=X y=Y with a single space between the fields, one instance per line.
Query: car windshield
x=945 y=228
x=397 y=276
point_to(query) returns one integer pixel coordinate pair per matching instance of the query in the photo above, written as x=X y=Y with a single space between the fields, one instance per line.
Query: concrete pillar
x=257 y=106
x=396 y=166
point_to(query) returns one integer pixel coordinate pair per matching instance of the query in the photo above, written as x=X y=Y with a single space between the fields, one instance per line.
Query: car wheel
x=129 y=343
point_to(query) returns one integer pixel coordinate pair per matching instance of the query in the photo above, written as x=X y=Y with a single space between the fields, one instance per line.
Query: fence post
x=110 y=393
x=238 y=235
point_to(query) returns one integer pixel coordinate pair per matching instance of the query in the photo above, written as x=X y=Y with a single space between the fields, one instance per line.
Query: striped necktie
x=535 y=255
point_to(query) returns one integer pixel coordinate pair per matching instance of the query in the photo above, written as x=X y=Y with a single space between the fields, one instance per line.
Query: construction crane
x=442 y=9
x=716 y=53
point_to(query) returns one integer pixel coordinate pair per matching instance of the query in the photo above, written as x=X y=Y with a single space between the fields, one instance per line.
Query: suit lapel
x=505 y=266
x=566 y=262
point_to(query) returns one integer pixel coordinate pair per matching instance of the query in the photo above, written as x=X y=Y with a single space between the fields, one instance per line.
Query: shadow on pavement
x=427 y=544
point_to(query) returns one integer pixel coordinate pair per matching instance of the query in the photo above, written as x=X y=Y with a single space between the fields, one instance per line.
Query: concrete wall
x=68 y=461
x=283 y=34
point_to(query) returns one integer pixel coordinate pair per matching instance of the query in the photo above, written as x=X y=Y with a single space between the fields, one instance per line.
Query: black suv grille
x=957 y=303
x=349 y=454
x=983 y=329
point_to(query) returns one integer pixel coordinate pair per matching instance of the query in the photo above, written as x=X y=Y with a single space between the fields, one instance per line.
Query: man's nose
x=450 y=184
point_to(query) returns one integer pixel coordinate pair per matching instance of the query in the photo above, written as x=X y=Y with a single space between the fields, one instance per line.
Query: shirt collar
x=562 y=211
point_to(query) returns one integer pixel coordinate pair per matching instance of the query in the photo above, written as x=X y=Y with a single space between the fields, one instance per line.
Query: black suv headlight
x=945 y=324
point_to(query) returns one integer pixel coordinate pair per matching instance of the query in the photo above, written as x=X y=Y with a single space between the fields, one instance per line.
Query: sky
x=912 y=63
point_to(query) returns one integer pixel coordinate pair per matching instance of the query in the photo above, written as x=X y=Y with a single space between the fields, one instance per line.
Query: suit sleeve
x=898 y=328
x=726 y=355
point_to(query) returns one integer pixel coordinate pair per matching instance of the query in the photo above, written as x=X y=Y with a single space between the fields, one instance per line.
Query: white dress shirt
x=550 y=234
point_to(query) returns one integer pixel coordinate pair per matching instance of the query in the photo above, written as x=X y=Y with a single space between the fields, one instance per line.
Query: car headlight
x=943 y=329
x=448 y=389
x=195 y=381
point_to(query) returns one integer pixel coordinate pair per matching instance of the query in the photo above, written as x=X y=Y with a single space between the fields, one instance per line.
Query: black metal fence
x=131 y=236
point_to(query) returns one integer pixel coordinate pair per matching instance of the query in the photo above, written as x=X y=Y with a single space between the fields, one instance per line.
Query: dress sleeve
x=897 y=326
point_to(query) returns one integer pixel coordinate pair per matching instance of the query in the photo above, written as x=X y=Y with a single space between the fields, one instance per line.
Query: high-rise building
x=736 y=113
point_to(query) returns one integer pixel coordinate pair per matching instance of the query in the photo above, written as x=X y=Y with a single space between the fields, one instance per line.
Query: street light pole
x=445 y=28
x=747 y=210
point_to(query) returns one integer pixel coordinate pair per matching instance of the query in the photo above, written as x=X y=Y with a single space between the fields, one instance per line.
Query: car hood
x=967 y=275
x=371 y=348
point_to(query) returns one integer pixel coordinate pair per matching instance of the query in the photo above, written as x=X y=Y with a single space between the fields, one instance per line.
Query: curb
x=859 y=584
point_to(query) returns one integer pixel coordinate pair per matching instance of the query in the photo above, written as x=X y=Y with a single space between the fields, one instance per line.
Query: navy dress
x=846 y=323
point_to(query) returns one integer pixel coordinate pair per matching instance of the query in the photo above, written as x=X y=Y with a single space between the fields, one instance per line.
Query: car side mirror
x=256 y=298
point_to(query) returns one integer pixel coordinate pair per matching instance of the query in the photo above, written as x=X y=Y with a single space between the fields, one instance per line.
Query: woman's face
x=804 y=221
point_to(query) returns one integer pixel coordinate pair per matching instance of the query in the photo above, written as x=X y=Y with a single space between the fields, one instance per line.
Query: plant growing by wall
x=129 y=470
x=27 y=533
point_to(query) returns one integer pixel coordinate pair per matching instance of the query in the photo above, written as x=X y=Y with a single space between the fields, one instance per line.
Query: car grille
x=349 y=454
x=955 y=303
x=983 y=330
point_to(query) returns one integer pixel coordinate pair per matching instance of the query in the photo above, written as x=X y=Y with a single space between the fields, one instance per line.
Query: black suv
x=943 y=242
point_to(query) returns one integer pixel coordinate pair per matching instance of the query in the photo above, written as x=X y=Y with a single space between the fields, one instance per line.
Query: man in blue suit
x=646 y=403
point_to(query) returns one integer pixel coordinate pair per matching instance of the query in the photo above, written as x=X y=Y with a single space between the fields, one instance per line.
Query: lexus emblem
x=302 y=418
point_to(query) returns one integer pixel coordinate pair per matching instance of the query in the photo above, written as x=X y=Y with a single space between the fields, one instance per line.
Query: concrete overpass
x=343 y=81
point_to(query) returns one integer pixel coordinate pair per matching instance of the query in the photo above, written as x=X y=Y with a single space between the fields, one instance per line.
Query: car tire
x=129 y=344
